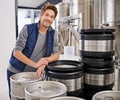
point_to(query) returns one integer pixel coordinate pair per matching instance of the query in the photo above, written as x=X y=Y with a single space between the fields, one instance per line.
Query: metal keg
x=97 y=43
x=68 y=72
x=45 y=90
x=67 y=98
x=19 y=81
x=97 y=79
x=107 y=95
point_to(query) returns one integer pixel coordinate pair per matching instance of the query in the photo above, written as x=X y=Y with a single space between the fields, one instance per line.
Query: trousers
x=9 y=73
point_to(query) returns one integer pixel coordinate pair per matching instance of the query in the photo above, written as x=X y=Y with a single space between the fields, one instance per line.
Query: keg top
x=104 y=95
x=46 y=89
x=67 y=98
x=65 y=66
x=24 y=77
x=99 y=31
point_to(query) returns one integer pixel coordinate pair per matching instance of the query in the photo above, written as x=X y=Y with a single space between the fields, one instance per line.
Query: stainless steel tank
x=64 y=10
x=104 y=12
x=84 y=7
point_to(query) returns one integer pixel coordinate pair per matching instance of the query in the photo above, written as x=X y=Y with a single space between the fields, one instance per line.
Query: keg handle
x=42 y=77
x=108 y=98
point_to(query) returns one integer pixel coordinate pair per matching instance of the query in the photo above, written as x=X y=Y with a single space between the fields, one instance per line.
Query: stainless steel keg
x=97 y=79
x=97 y=43
x=69 y=73
x=19 y=81
x=107 y=95
x=45 y=90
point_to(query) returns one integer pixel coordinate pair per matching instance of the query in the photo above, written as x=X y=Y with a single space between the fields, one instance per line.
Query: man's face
x=47 y=18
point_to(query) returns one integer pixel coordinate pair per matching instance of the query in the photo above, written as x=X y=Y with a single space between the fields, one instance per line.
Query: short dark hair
x=49 y=6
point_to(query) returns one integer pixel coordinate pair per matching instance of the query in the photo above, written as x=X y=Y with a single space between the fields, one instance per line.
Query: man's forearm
x=53 y=57
x=20 y=56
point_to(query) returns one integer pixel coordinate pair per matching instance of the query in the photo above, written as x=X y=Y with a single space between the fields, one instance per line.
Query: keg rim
x=53 y=82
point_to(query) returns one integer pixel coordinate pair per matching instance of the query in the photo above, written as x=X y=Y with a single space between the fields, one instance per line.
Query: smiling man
x=36 y=45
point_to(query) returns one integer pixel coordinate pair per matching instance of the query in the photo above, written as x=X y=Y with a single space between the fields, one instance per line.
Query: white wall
x=7 y=41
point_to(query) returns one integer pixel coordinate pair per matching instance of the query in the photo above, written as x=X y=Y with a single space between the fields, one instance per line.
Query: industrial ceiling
x=35 y=4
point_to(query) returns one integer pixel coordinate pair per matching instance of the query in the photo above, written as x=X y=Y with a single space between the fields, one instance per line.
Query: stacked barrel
x=97 y=49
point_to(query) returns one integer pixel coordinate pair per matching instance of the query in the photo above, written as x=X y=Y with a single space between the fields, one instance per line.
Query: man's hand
x=40 y=71
x=42 y=61
x=41 y=64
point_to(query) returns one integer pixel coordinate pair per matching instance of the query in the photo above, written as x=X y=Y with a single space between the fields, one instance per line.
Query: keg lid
x=107 y=95
x=99 y=31
x=46 y=89
x=24 y=77
x=65 y=66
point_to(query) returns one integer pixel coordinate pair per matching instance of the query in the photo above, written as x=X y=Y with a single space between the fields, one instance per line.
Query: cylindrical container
x=19 y=81
x=98 y=79
x=45 y=90
x=67 y=98
x=69 y=73
x=98 y=63
x=63 y=13
x=107 y=95
x=97 y=43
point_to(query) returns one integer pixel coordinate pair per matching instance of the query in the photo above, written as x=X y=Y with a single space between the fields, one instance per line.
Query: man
x=36 y=45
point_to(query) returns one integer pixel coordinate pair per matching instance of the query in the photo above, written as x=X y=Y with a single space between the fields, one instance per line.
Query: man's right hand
x=42 y=61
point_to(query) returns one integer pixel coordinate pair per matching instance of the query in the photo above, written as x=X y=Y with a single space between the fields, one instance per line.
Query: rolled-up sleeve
x=21 y=40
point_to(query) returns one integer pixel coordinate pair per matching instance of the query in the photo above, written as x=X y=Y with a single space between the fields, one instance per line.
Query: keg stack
x=97 y=49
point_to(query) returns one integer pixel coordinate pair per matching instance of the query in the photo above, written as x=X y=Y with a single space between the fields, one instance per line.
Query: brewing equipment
x=69 y=73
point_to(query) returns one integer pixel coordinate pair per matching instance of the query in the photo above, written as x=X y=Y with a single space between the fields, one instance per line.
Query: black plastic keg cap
x=65 y=66
x=83 y=31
